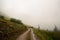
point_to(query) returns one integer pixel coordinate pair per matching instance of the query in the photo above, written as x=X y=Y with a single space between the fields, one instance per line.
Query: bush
x=16 y=21
x=1 y=16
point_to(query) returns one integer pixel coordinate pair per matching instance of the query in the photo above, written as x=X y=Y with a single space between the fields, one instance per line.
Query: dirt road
x=23 y=36
x=32 y=35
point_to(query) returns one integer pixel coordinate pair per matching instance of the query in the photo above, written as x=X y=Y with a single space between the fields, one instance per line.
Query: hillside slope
x=9 y=30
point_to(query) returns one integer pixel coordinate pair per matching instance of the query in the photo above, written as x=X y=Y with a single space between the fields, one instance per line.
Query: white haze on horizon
x=46 y=13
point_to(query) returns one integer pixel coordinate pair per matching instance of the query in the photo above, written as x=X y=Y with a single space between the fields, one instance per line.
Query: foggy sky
x=46 y=13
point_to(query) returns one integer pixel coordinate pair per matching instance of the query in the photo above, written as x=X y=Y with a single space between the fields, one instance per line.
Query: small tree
x=38 y=27
x=55 y=29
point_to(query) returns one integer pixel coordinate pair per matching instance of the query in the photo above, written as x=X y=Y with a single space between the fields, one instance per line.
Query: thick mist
x=45 y=13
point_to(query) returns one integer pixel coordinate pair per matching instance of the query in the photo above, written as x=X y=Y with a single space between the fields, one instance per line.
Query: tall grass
x=47 y=35
x=29 y=36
